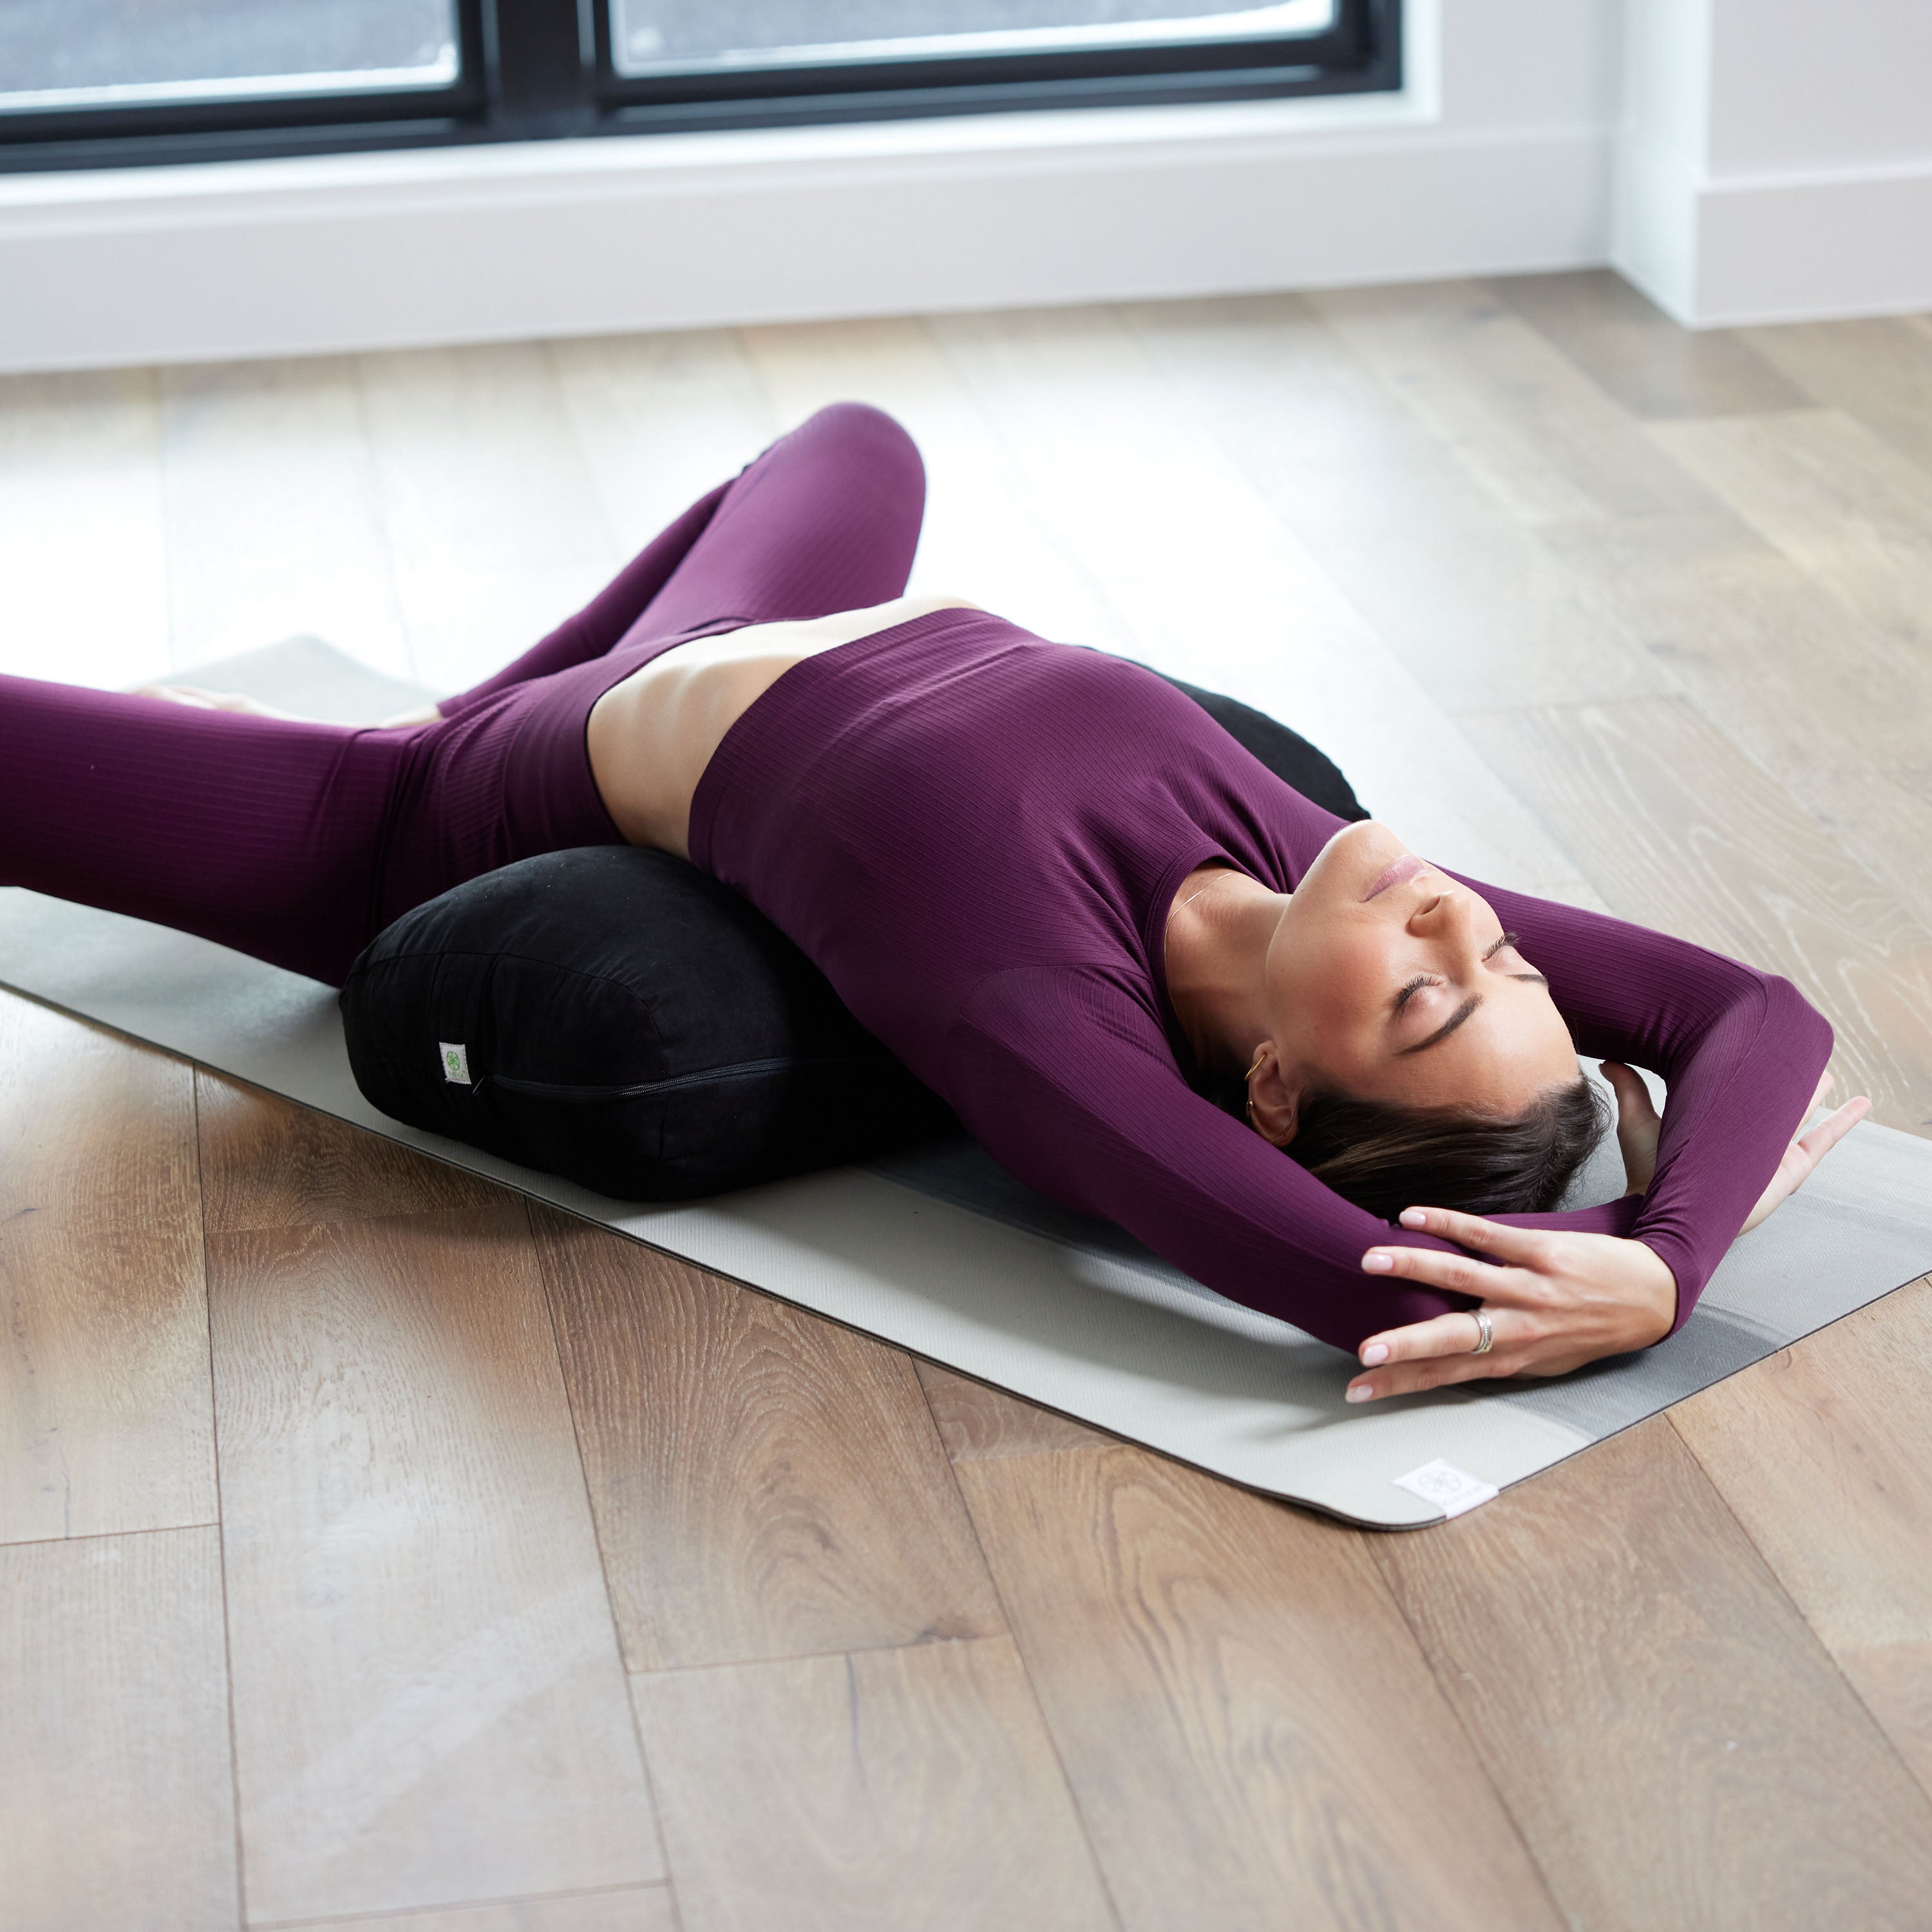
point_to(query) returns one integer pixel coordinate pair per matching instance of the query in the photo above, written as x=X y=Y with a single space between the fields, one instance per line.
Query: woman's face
x=1386 y=980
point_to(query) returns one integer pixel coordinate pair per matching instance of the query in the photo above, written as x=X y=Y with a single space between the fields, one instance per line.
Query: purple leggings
x=298 y=842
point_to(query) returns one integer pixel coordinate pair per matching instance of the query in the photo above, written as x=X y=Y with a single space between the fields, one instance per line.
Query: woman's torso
x=952 y=800
x=651 y=737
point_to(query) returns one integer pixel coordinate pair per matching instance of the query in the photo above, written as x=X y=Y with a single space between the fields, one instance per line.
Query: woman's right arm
x=1064 y=1076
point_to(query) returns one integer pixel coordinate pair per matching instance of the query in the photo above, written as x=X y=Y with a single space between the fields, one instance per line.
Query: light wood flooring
x=376 y=1548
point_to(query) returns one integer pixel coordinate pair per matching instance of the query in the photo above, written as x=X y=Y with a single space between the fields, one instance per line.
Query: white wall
x=1801 y=88
x=1741 y=159
x=1775 y=158
x=1662 y=146
x=1496 y=157
x=1548 y=64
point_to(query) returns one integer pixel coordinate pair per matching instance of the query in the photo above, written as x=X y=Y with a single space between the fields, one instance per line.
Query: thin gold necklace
x=1220 y=871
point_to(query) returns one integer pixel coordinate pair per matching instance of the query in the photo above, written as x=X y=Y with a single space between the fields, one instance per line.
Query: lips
x=1406 y=867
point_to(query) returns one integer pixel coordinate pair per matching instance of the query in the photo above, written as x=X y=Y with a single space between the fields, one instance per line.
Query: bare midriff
x=650 y=737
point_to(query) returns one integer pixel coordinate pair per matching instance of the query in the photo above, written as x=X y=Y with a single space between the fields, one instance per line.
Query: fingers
x=1633 y=1101
x=1821 y=1139
x=1638 y=1127
x=1802 y=1157
x=1458 y=1274
x=1427 y=1354
x=1453 y=1334
x=1523 y=1246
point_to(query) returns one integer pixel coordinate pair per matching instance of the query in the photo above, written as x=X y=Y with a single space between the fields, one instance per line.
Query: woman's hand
x=1807 y=1150
x=1558 y=1301
x=1638 y=1126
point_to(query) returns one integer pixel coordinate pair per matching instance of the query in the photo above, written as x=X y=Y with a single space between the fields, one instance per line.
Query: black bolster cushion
x=616 y=1016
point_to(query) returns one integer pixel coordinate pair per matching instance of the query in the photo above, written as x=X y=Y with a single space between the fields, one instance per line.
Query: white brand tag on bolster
x=1452 y=1490
x=455 y=1062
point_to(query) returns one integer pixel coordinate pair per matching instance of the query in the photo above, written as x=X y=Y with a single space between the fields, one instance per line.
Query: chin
x=1350 y=862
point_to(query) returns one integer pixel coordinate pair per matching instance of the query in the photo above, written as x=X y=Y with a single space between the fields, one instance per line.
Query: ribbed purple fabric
x=978 y=836
x=827 y=519
x=297 y=843
x=602 y=623
x=264 y=836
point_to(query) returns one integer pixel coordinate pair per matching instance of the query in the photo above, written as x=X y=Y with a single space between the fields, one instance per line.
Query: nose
x=1444 y=914
x=1432 y=907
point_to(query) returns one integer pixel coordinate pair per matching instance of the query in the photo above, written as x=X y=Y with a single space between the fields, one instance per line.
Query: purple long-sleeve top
x=978 y=836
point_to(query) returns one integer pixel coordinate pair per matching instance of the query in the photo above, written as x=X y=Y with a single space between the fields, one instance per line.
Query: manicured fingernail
x=1360 y=1392
x=1414 y=1217
x=1378 y=1260
x=1375 y=1355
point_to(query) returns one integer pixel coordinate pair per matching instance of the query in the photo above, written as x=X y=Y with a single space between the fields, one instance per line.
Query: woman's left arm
x=1742 y=1054
x=1639 y=1127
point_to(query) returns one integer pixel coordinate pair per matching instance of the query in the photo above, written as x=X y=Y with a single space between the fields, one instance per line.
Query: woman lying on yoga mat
x=1065 y=899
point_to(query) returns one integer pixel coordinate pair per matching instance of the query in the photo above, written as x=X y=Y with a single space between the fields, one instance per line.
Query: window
x=113 y=80
x=108 y=82
x=92 y=53
x=663 y=36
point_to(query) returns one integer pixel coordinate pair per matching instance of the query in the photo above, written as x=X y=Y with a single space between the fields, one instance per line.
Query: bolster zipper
x=548 y=1090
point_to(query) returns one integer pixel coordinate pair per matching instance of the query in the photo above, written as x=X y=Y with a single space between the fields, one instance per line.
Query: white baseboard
x=1801 y=250
x=291 y=257
x=1786 y=249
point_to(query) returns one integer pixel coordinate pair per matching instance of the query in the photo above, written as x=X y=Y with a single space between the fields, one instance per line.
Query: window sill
x=1096 y=135
x=318 y=254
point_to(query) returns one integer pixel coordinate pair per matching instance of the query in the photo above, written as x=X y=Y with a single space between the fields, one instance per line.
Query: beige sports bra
x=650 y=736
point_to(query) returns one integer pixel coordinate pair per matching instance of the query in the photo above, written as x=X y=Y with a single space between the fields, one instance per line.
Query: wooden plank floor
x=377 y=1550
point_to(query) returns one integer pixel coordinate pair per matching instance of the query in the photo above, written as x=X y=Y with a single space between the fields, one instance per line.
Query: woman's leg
x=263 y=834
x=594 y=629
x=827 y=519
x=294 y=842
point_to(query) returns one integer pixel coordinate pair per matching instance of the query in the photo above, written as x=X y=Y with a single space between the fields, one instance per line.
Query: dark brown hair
x=1387 y=1158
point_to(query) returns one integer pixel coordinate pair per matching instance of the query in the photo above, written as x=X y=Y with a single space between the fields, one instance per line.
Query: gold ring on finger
x=1486 y=1333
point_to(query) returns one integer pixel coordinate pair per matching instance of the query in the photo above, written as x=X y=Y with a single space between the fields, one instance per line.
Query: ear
x=1274 y=1097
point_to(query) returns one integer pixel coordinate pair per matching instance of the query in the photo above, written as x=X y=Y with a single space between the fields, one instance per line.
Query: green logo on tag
x=455 y=1062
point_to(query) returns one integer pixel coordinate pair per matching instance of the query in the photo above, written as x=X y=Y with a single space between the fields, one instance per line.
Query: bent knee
x=861 y=432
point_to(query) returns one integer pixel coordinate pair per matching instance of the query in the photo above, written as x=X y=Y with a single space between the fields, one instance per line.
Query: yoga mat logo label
x=1452 y=1490
x=455 y=1062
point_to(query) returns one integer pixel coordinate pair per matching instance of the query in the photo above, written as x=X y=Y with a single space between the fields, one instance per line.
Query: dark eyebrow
x=1447 y=1026
x=1463 y=1011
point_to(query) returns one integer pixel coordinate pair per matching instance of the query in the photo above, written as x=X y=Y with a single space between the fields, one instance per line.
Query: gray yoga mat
x=941 y=1251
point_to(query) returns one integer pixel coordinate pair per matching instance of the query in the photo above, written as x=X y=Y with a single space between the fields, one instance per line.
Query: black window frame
x=539 y=70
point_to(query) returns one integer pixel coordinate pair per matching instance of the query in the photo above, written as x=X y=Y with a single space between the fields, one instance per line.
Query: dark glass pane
x=86 y=53
x=670 y=36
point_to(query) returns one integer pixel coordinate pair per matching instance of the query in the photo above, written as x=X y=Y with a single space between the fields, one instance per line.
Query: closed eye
x=1415 y=986
x=1422 y=980
x=1510 y=939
